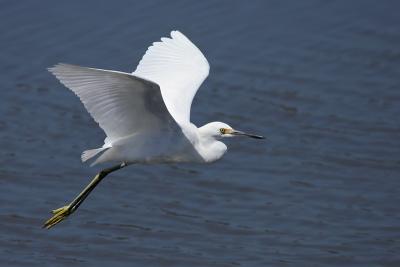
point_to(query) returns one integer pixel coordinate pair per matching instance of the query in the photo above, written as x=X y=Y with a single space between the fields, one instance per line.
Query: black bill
x=248 y=135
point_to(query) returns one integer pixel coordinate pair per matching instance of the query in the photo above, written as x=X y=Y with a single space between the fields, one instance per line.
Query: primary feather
x=179 y=68
x=120 y=103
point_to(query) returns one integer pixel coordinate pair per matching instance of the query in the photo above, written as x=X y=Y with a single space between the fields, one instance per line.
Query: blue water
x=321 y=79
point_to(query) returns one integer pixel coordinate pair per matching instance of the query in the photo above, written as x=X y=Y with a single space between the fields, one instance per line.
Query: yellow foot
x=59 y=215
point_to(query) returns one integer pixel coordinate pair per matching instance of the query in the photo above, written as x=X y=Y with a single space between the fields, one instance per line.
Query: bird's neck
x=215 y=151
x=211 y=149
x=207 y=147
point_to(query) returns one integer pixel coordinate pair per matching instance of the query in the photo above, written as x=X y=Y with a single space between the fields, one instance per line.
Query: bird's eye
x=222 y=130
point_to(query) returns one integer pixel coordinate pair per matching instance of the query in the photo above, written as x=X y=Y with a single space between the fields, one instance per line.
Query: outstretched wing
x=119 y=102
x=179 y=67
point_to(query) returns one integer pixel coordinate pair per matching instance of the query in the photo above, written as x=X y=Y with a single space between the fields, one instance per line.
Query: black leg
x=63 y=212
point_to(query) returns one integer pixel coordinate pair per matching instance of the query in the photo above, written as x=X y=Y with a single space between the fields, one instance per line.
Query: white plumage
x=179 y=67
x=146 y=114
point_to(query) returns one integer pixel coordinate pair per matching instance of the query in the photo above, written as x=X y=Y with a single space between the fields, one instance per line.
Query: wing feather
x=179 y=67
x=119 y=102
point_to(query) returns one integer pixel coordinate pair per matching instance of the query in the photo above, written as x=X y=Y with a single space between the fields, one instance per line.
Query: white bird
x=146 y=114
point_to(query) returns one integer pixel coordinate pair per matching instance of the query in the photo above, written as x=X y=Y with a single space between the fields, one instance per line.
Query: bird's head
x=218 y=130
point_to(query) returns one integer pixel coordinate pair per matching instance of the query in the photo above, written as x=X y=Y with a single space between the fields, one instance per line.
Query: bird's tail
x=88 y=154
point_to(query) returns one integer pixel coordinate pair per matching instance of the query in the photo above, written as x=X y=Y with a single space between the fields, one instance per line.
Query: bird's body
x=186 y=144
x=146 y=114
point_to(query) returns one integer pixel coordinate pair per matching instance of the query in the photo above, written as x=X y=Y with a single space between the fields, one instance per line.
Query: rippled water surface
x=320 y=78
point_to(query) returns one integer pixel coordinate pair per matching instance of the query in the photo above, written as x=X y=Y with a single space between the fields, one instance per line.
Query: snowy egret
x=146 y=114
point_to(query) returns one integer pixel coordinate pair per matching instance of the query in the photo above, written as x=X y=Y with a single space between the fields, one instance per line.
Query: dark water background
x=320 y=78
